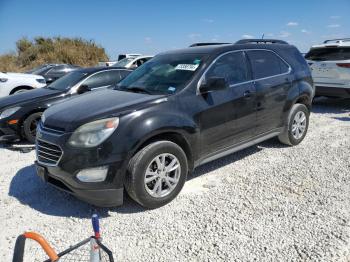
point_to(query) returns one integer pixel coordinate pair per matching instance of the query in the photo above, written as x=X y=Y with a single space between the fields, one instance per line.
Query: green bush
x=41 y=50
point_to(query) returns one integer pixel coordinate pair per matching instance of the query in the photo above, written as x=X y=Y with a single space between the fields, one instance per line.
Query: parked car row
x=143 y=131
x=20 y=114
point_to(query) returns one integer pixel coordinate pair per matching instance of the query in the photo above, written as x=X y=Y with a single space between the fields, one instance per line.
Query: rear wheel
x=297 y=125
x=156 y=174
x=30 y=125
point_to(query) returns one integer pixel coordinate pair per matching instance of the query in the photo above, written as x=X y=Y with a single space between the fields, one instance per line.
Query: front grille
x=51 y=129
x=48 y=153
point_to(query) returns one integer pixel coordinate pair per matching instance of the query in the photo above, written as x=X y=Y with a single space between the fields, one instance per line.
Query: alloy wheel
x=299 y=125
x=162 y=175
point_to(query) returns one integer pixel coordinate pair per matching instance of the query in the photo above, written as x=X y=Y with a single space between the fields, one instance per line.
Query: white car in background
x=330 y=66
x=13 y=83
x=129 y=62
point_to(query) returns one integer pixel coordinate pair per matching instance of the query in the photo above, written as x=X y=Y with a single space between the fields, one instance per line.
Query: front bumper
x=9 y=132
x=332 y=91
x=62 y=174
x=104 y=197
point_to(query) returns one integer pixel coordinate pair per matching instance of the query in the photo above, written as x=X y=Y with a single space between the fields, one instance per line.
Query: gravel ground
x=268 y=202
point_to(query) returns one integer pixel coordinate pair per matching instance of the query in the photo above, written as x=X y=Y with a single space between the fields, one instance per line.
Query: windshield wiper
x=136 y=90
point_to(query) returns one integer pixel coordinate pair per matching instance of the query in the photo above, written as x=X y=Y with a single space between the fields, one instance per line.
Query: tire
x=292 y=134
x=29 y=126
x=135 y=182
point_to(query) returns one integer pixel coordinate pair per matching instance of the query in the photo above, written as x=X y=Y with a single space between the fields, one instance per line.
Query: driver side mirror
x=83 y=89
x=213 y=84
x=49 y=80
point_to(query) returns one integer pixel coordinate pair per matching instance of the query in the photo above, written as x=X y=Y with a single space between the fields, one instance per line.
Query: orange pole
x=44 y=244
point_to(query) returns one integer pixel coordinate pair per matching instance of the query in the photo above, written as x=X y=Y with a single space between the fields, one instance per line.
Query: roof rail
x=337 y=40
x=205 y=44
x=261 y=41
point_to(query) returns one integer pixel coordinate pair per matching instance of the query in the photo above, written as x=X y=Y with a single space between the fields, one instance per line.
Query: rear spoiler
x=206 y=44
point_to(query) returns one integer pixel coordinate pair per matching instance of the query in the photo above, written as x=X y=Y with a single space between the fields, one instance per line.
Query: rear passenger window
x=266 y=63
x=102 y=79
x=328 y=54
x=232 y=67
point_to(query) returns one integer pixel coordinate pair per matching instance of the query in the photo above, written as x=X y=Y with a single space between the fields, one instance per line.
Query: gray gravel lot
x=268 y=202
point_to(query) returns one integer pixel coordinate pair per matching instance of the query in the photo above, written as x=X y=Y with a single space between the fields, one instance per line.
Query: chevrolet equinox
x=179 y=110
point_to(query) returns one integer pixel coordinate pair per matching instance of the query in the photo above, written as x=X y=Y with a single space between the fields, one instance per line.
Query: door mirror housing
x=49 y=80
x=83 y=89
x=213 y=84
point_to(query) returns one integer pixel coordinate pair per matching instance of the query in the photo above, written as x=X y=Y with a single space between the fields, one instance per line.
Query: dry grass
x=76 y=51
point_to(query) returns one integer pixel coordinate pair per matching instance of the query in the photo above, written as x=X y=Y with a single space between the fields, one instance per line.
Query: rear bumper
x=332 y=91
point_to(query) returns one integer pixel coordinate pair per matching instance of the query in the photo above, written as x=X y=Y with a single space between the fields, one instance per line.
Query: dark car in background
x=52 y=72
x=19 y=114
x=179 y=110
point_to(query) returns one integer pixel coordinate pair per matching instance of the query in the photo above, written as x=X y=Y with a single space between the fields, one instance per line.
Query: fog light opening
x=96 y=174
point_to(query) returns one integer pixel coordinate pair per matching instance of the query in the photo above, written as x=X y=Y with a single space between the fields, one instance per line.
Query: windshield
x=328 y=54
x=164 y=74
x=67 y=81
x=124 y=62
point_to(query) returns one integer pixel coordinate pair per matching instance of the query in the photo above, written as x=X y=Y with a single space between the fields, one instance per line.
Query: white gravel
x=268 y=202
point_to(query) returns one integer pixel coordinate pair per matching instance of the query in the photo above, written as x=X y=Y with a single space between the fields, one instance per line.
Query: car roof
x=341 y=42
x=91 y=70
x=221 y=48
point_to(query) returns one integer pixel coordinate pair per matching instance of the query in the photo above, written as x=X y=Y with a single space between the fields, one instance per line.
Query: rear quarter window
x=266 y=64
x=329 y=54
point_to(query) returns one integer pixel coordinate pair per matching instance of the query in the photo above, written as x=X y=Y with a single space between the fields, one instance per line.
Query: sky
x=150 y=27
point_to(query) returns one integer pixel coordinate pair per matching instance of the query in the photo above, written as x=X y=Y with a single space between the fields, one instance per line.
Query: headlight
x=94 y=133
x=3 y=80
x=8 y=112
x=41 y=81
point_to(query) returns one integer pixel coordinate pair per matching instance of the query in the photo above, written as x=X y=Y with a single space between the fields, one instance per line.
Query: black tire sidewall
x=26 y=126
x=143 y=197
x=297 y=108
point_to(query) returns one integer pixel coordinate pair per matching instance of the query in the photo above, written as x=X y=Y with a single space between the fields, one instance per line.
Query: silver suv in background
x=330 y=65
x=128 y=61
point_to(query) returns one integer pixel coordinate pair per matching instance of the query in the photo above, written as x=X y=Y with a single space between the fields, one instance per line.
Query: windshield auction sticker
x=187 y=67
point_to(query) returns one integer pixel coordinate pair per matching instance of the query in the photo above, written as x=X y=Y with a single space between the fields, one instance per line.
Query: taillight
x=346 y=65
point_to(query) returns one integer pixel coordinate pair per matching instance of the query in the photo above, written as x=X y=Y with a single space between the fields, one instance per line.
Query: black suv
x=180 y=110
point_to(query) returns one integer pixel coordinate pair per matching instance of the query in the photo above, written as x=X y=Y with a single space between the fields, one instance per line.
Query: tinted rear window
x=266 y=63
x=328 y=54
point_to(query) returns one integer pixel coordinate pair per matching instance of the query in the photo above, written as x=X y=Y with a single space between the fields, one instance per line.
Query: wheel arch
x=19 y=88
x=173 y=136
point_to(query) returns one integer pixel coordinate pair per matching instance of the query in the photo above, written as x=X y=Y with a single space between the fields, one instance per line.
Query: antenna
x=262 y=37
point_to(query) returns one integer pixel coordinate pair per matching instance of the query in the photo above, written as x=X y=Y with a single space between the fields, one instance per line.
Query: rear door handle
x=247 y=94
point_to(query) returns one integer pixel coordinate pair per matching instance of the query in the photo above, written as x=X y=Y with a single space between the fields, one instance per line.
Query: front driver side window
x=232 y=67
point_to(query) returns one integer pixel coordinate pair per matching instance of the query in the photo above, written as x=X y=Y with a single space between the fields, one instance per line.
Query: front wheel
x=30 y=125
x=297 y=125
x=156 y=174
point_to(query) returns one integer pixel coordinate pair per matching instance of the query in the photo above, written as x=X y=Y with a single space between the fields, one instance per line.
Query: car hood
x=77 y=111
x=27 y=97
x=20 y=75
